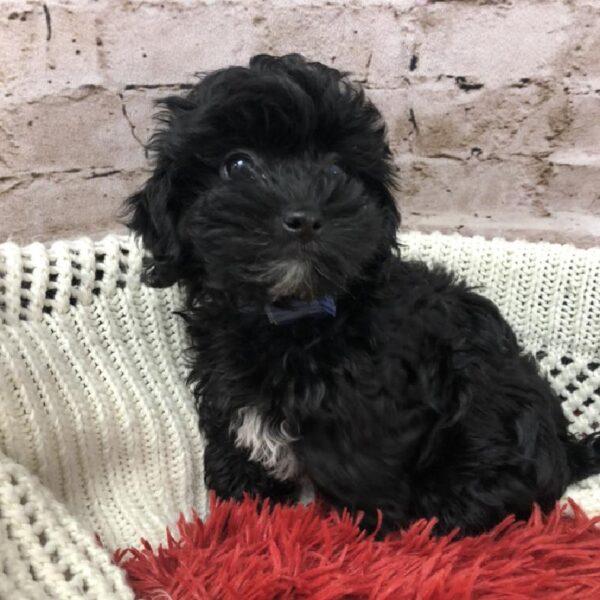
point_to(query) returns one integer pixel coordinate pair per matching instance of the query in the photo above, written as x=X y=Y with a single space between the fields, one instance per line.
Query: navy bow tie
x=297 y=309
x=293 y=310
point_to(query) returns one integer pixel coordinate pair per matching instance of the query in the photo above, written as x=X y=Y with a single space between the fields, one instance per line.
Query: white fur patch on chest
x=268 y=445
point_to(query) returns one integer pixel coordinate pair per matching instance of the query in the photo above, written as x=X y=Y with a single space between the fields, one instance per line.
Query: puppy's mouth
x=292 y=278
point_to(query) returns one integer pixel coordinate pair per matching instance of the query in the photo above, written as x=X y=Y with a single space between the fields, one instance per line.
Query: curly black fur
x=416 y=399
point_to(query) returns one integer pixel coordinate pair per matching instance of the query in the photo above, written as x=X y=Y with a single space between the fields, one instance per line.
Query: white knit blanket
x=98 y=433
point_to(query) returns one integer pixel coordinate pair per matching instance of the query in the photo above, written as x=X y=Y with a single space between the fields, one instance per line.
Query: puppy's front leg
x=229 y=472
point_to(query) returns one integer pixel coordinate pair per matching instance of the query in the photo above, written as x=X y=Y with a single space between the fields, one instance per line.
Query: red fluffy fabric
x=241 y=553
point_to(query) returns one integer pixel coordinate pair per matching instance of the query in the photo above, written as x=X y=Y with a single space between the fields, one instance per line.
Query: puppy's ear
x=381 y=178
x=391 y=215
x=152 y=212
x=151 y=219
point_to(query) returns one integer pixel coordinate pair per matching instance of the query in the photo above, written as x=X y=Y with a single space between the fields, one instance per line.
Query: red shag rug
x=241 y=553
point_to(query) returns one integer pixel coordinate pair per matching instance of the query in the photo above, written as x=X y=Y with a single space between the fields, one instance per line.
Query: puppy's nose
x=301 y=223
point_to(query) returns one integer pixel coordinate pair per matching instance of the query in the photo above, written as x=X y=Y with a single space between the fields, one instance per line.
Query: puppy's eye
x=334 y=170
x=238 y=166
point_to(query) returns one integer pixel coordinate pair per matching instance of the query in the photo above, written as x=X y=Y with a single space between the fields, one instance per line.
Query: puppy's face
x=271 y=182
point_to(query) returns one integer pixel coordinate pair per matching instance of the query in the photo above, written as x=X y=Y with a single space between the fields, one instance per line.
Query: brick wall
x=493 y=106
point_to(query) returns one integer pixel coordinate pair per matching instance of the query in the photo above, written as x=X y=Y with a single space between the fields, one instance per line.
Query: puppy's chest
x=272 y=387
x=270 y=424
x=268 y=442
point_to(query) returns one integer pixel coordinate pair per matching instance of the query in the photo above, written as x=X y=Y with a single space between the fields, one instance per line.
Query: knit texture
x=44 y=551
x=98 y=431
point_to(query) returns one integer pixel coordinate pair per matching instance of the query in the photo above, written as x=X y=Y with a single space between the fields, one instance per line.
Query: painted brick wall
x=493 y=106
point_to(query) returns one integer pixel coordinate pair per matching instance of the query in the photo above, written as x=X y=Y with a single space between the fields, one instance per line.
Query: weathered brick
x=337 y=34
x=140 y=107
x=492 y=107
x=63 y=205
x=573 y=186
x=524 y=120
x=395 y=108
x=466 y=186
x=583 y=130
x=83 y=129
x=560 y=227
x=152 y=44
x=48 y=49
x=494 y=44
x=584 y=47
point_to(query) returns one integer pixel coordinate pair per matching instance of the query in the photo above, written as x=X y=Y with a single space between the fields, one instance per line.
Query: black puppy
x=319 y=354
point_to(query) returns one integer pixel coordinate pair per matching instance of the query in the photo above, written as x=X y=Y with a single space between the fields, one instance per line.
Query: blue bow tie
x=297 y=309
x=293 y=310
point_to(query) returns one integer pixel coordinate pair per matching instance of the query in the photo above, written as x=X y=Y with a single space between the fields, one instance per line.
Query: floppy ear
x=151 y=219
x=381 y=177
x=391 y=215
x=152 y=213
